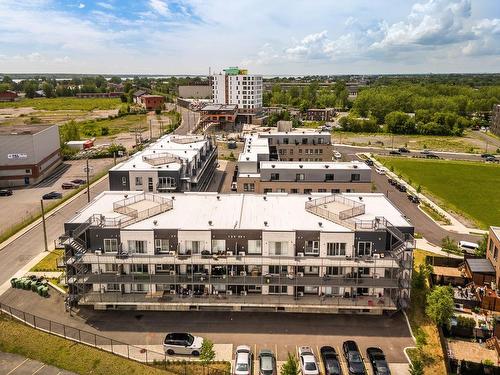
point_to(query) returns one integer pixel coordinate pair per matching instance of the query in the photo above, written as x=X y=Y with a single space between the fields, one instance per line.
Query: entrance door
x=26 y=180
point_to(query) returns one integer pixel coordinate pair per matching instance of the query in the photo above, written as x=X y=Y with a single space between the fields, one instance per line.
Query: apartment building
x=323 y=253
x=297 y=163
x=236 y=86
x=493 y=250
x=28 y=154
x=171 y=164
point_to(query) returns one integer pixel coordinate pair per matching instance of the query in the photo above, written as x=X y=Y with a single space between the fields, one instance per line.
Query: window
x=275 y=176
x=355 y=177
x=218 y=246
x=254 y=246
x=150 y=183
x=335 y=191
x=278 y=248
x=138 y=268
x=137 y=247
x=27 y=171
x=285 y=141
x=139 y=288
x=110 y=268
x=110 y=245
x=138 y=181
x=124 y=180
x=278 y=289
x=161 y=245
x=334 y=249
x=334 y=271
x=299 y=177
x=193 y=246
x=249 y=187
x=294 y=191
x=495 y=253
x=166 y=183
x=363 y=270
x=307 y=191
x=329 y=177
x=304 y=141
x=113 y=287
x=280 y=190
x=312 y=247
x=164 y=267
x=364 y=248
x=300 y=151
x=321 y=190
x=268 y=190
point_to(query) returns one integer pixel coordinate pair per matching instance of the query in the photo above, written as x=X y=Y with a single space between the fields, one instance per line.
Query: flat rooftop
x=164 y=154
x=254 y=146
x=496 y=230
x=206 y=211
x=23 y=129
x=314 y=165
x=220 y=107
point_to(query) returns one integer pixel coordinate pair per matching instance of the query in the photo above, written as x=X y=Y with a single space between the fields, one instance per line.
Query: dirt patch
x=471 y=351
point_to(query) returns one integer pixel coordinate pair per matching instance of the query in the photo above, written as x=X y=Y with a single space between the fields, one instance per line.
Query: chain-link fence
x=132 y=352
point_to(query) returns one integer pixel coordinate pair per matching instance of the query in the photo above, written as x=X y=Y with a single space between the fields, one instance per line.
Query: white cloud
x=105 y=5
x=161 y=7
x=81 y=6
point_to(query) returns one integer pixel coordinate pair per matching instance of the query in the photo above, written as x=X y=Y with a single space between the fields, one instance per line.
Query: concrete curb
x=47 y=215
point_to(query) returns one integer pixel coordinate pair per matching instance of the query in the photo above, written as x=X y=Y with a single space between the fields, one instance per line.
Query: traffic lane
x=23 y=249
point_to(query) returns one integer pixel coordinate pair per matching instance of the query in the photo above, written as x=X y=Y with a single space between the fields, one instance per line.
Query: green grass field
x=469 y=188
x=55 y=104
x=123 y=124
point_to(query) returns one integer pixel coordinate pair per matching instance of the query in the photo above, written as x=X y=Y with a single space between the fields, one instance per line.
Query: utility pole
x=88 y=181
x=44 y=226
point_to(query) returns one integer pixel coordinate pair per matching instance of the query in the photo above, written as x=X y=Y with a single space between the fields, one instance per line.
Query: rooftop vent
x=126 y=196
x=355 y=166
x=210 y=222
x=265 y=198
x=360 y=198
x=320 y=224
x=273 y=166
x=247 y=158
x=301 y=166
x=310 y=198
x=327 y=166
x=133 y=166
x=173 y=197
x=218 y=197
x=265 y=223
x=155 y=222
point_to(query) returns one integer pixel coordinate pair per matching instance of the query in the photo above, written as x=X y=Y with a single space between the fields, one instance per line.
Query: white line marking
x=15 y=368
x=39 y=369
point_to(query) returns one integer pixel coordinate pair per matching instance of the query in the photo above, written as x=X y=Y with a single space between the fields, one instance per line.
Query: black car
x=401 y=188
x=491 y=159
x=369 y=162
x=378 y=362
x=484 y=156
x=391 y=181
x=78 y=181
x=403 y=149
x=330 y=360
x=52 y=195
x=394 y=152
x=413 y=198
x=5 y=192
x=353 y=357
x=432 y=156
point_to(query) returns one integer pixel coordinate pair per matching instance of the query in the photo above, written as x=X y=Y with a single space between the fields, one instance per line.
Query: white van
x=468 y=247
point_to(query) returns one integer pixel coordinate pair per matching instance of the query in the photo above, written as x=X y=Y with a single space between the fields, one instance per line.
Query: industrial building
x=28 y=154
x=321 y=253
x=173 y=163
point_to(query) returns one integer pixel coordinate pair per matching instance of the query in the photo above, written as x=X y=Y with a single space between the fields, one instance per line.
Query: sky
x=270 y=37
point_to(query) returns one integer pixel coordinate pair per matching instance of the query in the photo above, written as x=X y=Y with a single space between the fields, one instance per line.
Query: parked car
x=353 y=357
x=377 y=359
x=243 y=360
x=391 y=181
x=484 y=156
x=69 y=185
x=267 y=362
x=182 y=343
x=432 y=156
x=379 y=171
x=330 y=360
x=231 y=145
x=425 y=152
x=337 y=155
x=307 y=361
x=401 y=188
x=369 y=162
x=403 y=150
x=413 y=198
x=78 y=181
x=52 y=195
x=468 y=247
x=394 y=152
x=5 y=192
x=491 y=159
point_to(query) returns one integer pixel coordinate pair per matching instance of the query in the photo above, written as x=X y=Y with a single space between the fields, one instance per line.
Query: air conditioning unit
x=229 y=253
x=300 y=254
x=229 y=292
x=241 y=253
x=172 y=273
x=172 y=291
x=243 y=293
x=98 y=252
x=376 y=256
x=243 y=273
x=300 y=294
x=171 y=252
x=300 y=274
x=376 y=276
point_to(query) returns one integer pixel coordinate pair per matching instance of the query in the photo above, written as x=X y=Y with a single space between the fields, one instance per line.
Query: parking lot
x=25 y=201
x=12 y=364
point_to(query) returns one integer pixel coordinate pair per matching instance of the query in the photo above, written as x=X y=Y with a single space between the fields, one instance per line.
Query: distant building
x=152 y=102
x=495 y=120
x=85 y=95
x=8 y=96
x=28 y=154
x=319 y=114
x=236 y=86
x=195 y=91
x=137 y=96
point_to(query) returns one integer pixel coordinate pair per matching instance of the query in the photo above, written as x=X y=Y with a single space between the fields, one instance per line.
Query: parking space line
x=41 y=367
x=320 y=360
x=19 y=365
x=276 y=352
x=343 y=364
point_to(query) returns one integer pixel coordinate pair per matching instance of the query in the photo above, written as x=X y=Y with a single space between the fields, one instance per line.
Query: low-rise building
x=152 y=102
x=343 y=253
x=8 y=96
x=195 y=91
x=28 y=154
x=319 y=114
x=172 y=163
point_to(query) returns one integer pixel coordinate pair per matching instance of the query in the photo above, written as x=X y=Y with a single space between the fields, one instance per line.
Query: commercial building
x=152 y=102
x=236 y=86
x=172 y=163
x=28 y=154
x=495 y=120
x=297 y=163
x=8 y=96
x=195 y=91
x=240 y=252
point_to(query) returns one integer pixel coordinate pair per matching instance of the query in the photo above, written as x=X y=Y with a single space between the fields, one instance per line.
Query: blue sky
x=266 y=36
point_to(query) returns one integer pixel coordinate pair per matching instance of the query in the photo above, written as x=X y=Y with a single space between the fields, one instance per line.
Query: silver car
x=182 y=343
x=243 y=360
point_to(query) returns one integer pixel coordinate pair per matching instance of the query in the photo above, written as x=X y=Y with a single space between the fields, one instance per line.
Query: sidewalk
x=422 y=244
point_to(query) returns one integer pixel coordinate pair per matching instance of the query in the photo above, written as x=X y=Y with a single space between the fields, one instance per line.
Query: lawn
x=54 y=104
x=468 y=188
x=49 y=263
x=108 y=127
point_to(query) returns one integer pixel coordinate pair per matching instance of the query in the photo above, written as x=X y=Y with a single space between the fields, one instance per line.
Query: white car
x=243 y=360
x=379 y=171
x=337 y=155
x=182 y=343
x=308 y=363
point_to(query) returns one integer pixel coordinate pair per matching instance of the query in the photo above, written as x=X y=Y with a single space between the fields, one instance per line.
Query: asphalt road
x=189 y=120
x=22 y=250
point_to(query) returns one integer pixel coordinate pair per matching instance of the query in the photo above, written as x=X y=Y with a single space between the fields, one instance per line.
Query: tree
x=4 y=87
x=291 y=366
x=207 y=352
x=69 y=132
x=450 y=245
x=440 y=305
x=481 y=250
